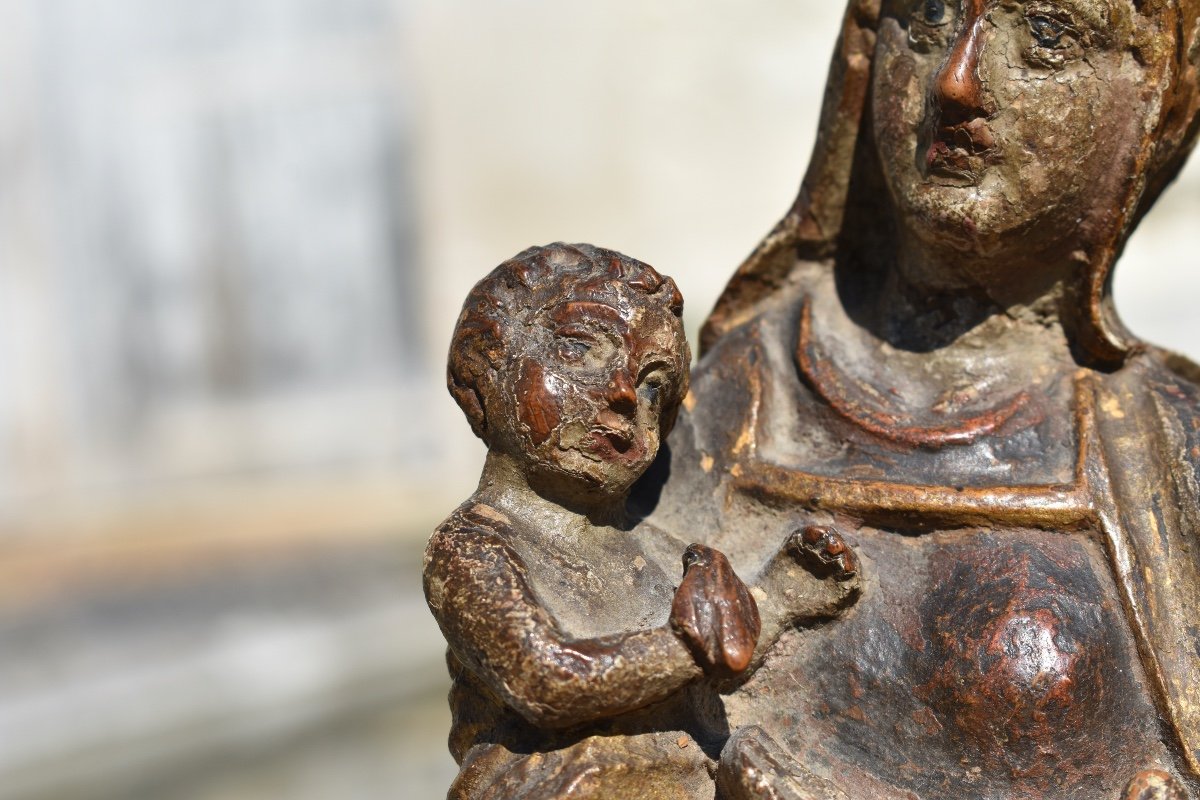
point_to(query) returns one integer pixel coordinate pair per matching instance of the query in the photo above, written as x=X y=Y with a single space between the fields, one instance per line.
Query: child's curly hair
x=525 y=285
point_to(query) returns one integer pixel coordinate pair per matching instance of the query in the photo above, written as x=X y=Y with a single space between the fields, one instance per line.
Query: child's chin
x=611 y=480
x=602 y=480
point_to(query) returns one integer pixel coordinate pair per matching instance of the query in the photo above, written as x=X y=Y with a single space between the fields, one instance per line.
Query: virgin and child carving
x=923 y=520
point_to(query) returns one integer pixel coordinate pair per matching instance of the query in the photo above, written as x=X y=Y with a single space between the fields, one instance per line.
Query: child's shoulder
x=477 y=539
x=471 y=548
x=472 y=528
x=476 y=516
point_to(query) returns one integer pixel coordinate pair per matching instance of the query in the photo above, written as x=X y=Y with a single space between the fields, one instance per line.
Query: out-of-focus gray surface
x=234 y=237
x=311 y=672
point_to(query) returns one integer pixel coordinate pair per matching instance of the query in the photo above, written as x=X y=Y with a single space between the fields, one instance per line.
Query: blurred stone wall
x=234 y=236
x=209 y=232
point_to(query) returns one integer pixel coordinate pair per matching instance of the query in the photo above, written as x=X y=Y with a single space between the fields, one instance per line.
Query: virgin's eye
x=934 y=12
x=929 y=25
x=1046 y=31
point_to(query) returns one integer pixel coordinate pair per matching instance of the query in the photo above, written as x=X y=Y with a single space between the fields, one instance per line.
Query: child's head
x=572 y=359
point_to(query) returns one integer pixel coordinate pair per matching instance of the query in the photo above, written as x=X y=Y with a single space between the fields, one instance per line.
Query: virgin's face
x=1007 y=124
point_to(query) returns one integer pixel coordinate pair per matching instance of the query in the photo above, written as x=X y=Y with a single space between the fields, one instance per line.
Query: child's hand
x=714 y=612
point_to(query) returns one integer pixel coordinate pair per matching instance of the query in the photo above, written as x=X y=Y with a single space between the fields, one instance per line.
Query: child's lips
x=615 y=431
x=616 y=445
x=620 y=441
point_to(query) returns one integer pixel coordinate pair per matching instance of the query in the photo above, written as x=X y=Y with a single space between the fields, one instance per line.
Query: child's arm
x=478 y=589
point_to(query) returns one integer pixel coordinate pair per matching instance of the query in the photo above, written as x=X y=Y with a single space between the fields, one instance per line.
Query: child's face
x=590 y=392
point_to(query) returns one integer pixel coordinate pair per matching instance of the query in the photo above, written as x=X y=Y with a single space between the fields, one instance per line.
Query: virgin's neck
x=931 y=300
x=925 y=343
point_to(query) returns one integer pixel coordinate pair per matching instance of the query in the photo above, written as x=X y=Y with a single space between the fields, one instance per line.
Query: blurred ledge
x=157 y=536
x=151 y=642
x=242 y=693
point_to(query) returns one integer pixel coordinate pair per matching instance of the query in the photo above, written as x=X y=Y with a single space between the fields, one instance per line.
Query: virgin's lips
x=946 y=158
x=962 y=150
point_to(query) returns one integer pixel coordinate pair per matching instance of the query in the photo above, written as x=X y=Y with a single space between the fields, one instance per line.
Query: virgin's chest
x=988 y=664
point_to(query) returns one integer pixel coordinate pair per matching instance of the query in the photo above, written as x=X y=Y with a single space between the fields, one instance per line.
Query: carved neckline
x=854 y=405
x=1070 y=505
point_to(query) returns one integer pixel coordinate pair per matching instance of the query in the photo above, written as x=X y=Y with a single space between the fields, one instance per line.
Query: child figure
x=564 y=622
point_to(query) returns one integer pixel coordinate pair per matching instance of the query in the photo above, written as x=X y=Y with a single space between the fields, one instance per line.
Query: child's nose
x=622 y=394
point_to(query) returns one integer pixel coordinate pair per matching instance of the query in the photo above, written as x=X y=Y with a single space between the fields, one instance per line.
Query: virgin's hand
x=714 y=613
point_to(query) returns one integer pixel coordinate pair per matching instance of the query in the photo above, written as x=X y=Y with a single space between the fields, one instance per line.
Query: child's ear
x=468 y=399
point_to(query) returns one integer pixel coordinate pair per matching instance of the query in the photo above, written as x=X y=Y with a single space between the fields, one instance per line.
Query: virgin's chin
x=972 y=219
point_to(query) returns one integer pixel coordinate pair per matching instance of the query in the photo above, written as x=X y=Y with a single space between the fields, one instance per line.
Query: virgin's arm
x=478 y=589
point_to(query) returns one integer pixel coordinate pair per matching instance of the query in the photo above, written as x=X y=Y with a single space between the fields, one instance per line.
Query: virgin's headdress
x=840 y=184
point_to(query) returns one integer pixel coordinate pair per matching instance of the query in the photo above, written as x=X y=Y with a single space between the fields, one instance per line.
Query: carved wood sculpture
x=965 y=499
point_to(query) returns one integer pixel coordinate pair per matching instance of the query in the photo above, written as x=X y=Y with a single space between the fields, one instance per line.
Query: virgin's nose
x=957 y=89
x=622 y=394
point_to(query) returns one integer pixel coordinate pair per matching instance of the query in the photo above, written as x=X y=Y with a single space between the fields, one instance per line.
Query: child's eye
x=573 y=349
x=929 y=25
x=652 y=380
x=1054 y=41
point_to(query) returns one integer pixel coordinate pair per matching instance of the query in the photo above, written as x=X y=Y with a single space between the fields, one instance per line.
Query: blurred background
x=234 y=236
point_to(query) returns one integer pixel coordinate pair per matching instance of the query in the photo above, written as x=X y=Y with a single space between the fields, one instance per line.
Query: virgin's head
x=1000 y=121
x=1031 y=133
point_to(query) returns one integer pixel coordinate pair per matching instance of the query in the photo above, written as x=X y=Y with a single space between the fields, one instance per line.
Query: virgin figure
x=924 y=356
